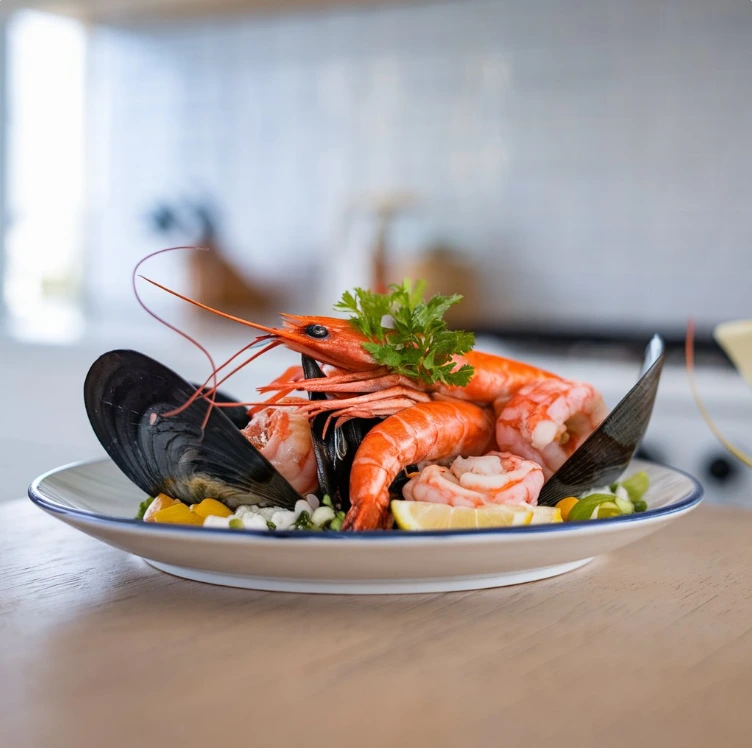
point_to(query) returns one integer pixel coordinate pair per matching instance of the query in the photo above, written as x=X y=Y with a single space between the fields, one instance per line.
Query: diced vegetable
x=636 y=485
x=605 y=510
x=178 y=514
x=640 y=505
x=585 y=508
x=218 y=522
x=322 y=515
x=236 y=524
x=211 y=507
x=162 y=501
x=143 y=506
x=565 y=506
x=303 y=522
x=625 y=505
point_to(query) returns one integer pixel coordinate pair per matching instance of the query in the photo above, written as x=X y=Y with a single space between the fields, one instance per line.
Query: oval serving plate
x=97 y=499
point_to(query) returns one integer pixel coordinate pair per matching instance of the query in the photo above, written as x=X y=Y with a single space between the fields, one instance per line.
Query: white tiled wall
x=591 y=155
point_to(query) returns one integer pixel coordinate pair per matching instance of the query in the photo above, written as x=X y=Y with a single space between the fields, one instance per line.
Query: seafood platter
x=391 y=456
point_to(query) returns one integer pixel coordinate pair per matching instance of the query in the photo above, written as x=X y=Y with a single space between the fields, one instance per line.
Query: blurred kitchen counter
x=650 y=645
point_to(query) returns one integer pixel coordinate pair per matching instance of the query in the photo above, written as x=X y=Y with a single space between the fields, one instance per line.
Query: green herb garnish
x=304 y=522
x=419 y=345
x=143 y=506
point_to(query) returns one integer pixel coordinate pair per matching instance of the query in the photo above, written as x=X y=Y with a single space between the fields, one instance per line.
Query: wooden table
x=651 y=645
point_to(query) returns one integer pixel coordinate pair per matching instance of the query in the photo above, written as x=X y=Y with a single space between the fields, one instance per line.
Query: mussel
x=126 y=394
x=607 y=452
x=335 y=447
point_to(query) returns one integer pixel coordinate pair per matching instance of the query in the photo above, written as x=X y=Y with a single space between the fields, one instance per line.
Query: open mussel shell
x=238 y=414
x=606 y=453
x=335 y=450
x=126 y=394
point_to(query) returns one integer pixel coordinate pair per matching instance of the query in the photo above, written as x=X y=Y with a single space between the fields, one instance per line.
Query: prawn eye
x=317 y=331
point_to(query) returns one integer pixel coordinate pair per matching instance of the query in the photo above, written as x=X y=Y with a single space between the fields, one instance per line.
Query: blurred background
x=578 y=169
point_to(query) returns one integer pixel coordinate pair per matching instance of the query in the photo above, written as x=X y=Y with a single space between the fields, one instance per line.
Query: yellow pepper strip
x=162 y=501
x=179 y=514
x=566 y=506
x=211 y=508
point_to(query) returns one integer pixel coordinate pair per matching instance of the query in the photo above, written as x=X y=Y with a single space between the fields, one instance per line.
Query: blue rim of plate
x=42 y=502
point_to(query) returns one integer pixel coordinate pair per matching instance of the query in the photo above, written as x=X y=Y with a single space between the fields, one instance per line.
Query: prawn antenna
x=174 y=328
x=205 y=307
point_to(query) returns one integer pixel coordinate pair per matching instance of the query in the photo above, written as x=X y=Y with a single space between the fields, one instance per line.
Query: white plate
x=97 y=499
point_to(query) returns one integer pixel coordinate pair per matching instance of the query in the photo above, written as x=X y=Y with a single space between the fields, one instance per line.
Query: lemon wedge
x=424 y=515
x=544 y=515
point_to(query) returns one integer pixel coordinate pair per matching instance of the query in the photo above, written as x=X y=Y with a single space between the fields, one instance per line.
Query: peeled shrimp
x=427 y=431
x=547 y=420
x=494 y=478
x=283 y=436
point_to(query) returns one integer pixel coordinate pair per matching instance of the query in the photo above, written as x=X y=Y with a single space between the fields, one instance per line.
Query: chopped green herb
x=143 y=506
x=335 y=524
x=271 y=525
x=419 y=345
x=304 y=522
x=327 y=500
x=640 y=505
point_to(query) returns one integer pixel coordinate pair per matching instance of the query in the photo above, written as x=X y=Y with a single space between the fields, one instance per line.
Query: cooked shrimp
x=283 y=436
x=496 y=378
x=547 y=420
x=494 y=478
x=427 y=431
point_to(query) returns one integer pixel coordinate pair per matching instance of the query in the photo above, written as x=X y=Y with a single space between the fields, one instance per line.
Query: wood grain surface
x=651 y=645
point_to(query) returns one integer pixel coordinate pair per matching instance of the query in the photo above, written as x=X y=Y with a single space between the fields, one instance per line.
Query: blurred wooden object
x=214 y=280
x=447 y=271
x=385 y=209
x=650 y=645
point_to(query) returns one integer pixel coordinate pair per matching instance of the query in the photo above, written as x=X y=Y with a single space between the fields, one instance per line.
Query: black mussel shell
x=336 y=450
x=238 y=414
x=125 y=394
x=395 y=489
x=606 y=453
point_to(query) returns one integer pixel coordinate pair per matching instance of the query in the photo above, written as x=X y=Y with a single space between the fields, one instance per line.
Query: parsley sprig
x=419 y=345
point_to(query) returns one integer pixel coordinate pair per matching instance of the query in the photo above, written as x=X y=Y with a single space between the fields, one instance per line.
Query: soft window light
x=45 y=158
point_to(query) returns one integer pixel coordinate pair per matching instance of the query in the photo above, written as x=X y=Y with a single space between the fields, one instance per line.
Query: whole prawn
x=427 y=431
x=359 y=385
x=422 y=421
